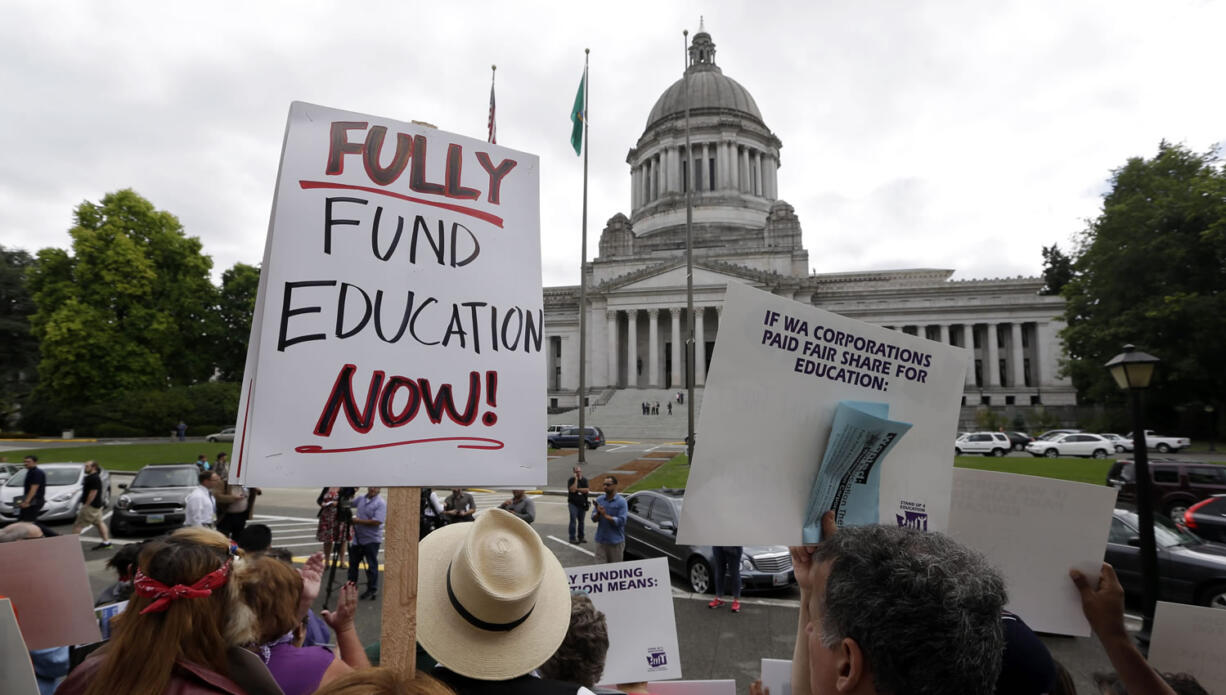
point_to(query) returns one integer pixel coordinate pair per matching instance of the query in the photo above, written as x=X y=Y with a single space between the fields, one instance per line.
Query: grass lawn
x=125 y=457
x=671 y=474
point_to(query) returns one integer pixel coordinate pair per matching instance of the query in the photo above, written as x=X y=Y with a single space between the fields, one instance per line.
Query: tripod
x=344 y=518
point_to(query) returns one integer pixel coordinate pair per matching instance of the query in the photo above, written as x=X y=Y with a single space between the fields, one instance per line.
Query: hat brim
x=469 y=650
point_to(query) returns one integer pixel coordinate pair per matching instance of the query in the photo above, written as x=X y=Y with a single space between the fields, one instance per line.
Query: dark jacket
x=188 y=678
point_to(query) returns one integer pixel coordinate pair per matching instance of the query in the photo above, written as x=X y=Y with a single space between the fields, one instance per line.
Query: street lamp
x=1132 y=370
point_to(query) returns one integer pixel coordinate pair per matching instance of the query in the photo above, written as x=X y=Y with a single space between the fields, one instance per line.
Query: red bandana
x=152 y=588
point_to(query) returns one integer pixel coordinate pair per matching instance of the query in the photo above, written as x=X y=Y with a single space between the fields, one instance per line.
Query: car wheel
x=700 y=576
x=1119 y=449
x=1175 y=510
x=1163 y=448
x=212 y=440
x=1051 y=453
x=1214 y=596
x=998 y=452
x=549 y=443
x=957 y=451
x=1100 y=453
x=1019 y=447
x=591 y=445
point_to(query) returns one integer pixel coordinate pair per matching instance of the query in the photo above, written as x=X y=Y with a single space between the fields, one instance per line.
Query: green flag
x=577 y=115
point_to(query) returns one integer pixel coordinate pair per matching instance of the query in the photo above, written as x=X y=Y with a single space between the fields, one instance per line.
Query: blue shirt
x=611 y=532
x=366 y=507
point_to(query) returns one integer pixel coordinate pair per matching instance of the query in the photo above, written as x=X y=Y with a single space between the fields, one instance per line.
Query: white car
x=63 y=494
x=986 y=443
x=1120 y=443
x=1075 y=444
x=557 y=429
x=226 y=435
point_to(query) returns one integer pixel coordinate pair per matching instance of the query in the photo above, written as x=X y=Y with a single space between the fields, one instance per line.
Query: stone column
x=634 y=188
x=676 y=314
x=611 y=315
x=768 y=177
x=943 y=335
x=968 y=339
x=991 y=358
x=632 y=348
x=700 y=348
x=758 y=188
x=1040 y=373
x=674 y=169
x=1016 y=355
x=653 y=347
x=743 y=158
x=734 y=166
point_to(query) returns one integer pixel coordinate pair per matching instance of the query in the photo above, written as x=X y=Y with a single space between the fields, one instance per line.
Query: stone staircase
x=621 y=416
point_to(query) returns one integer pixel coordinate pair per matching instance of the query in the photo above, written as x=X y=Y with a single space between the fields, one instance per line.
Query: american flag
x=493 y=125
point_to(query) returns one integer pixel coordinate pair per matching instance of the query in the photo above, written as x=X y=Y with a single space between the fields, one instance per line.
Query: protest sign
x=397 y=338
x=637 y=600
x=714 y=687
x=15 y=662
x=777 y=676
x=779 y=372
x=1190 y=639
x=106 y=613
x=46 y=580
x=1034 y=530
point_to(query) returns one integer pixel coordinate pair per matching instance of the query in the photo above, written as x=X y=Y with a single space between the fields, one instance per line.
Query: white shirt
x=200 y=507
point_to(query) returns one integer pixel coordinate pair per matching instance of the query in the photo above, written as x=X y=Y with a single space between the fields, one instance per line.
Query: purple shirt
x=369 y=508
x=298 y=670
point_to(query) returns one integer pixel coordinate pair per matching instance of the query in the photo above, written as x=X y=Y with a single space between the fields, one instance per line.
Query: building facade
x=636 y=286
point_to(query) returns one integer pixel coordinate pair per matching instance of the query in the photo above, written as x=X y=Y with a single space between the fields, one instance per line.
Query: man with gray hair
x=895 y=610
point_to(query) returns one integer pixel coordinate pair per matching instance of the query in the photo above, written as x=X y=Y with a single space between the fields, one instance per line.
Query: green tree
x=1151 y=270
x=131 y=307
x=1057 y=270
x=18 y=349
x=235 y=309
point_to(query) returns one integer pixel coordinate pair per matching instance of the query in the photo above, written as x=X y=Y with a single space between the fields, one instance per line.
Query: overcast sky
x=962 y=135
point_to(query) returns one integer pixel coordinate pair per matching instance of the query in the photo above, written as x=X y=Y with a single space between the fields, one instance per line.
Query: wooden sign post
x=398 y=647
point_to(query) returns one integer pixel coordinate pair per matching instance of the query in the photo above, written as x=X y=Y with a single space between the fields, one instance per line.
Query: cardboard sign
x=399 y=327
x=106 y=614
x=779 y=371
x=720 y=687
x=777 y=676
x=1034 y=530
x=637 y=600
x=1190 y=639
x=46 y=580
x=15 y=661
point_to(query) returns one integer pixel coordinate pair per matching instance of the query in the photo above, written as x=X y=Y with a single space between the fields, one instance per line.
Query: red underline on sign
x=482 y=443
x=479 y=214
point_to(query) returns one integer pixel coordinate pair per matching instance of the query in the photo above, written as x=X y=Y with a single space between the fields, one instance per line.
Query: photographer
x=370 y=512
x=334 y=509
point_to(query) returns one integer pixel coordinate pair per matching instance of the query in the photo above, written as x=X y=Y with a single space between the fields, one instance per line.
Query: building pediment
x=672 y=276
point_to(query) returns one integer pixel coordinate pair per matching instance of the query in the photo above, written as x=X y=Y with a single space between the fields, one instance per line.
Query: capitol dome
x=710 y=90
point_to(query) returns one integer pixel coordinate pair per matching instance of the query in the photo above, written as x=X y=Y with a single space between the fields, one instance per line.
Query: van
x=1175 y=484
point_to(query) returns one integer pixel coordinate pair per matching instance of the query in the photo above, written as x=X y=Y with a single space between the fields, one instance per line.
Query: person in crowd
x=609 y=513
x=895 y=610
x=232 y=515
x=91 y=505
x=331 y=532
x=727 y=575
x=521 y=506
x=493 y=604
x=577 y=503
x=172 y=638
x=384 y=681
x=34 y=491
x=199 y=507
x=580 y=658
x=369 y=515
x=271 y=593
x=256 y=538
x=124 y=563
x=222 y=466
x=202 y=462
x=1103 y=605
x=459 y=506
x=1026 y=667
x=20 y=531
x=431 y=513
x=181 y=429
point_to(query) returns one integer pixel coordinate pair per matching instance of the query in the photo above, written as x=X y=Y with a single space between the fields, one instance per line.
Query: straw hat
x=492 y=602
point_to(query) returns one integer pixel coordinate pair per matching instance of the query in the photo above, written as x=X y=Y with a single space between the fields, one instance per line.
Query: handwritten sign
x=15 y=661
x=779 y=371
x=1190 y=639
x=399 y=327
x=46 y=580
x=1033 y=530
x=637 y=601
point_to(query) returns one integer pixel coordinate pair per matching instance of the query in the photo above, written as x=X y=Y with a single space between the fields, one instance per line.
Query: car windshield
x=1166 y=534
x=55 y=476
x=165 y=477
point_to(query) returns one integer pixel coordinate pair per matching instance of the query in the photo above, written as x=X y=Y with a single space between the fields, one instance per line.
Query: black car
x=651 y=531
x=155 y=499
x=569 y=438
x=1019 y=440
x=1207 y=518
x=1190 y=570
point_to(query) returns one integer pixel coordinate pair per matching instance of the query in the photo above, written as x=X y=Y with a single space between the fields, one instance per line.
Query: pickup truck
x=1163 y=444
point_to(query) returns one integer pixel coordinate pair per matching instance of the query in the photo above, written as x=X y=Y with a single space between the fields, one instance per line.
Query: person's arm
x=347 y=641
x=435 y=504
x=620 y=520
x=802 y=567
x=312 y=578
x=1104 y=609
x=529 y=511
x=89 y=498
x=30 y=495
x=584 y=487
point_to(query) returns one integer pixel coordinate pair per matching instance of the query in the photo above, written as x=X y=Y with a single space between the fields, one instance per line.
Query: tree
x=130 y=308
x=235 y=309
x=18 y=349
x=1151 y=270
x=1057 y=270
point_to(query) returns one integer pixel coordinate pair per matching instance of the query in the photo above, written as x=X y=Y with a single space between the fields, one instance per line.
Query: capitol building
x=742 y=232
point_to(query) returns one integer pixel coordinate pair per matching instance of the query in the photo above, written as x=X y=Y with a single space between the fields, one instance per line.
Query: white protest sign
x=777 y=676
x=15 y=661
x=1034 y=530
x=47 y=582
x=1190 y=639
x=637 y=600
x=779 y=371
x=397 y=339
x=714 y=687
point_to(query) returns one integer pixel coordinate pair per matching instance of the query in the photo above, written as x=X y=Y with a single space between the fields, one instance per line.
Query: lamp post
x=1209 y=410
x=1132 y=370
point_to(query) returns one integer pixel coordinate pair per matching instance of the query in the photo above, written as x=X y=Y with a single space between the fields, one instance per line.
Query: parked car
x=569 y=438
x=1052 y=434
x=1122 y=444
x=1019 y=440
x=63 y=494
x=551 y=429
x=1162 y=443
x=1190 y=570
x=225 y=435
x=1207 y=518
x=155 y=499
x=1075 y=444
x=1175 y=484
x=8 y=470
x=986 y=443
x=651 y=531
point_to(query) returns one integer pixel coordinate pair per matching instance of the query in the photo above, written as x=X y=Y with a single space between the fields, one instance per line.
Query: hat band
x=477 y=622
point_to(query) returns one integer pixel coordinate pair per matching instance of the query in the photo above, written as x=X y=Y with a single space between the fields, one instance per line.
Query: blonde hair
x=268 y=591
x=381 y=680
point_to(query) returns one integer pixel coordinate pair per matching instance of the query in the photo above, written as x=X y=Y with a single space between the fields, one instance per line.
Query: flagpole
x=583 y=280
x=493 y=125
x=689 y=261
